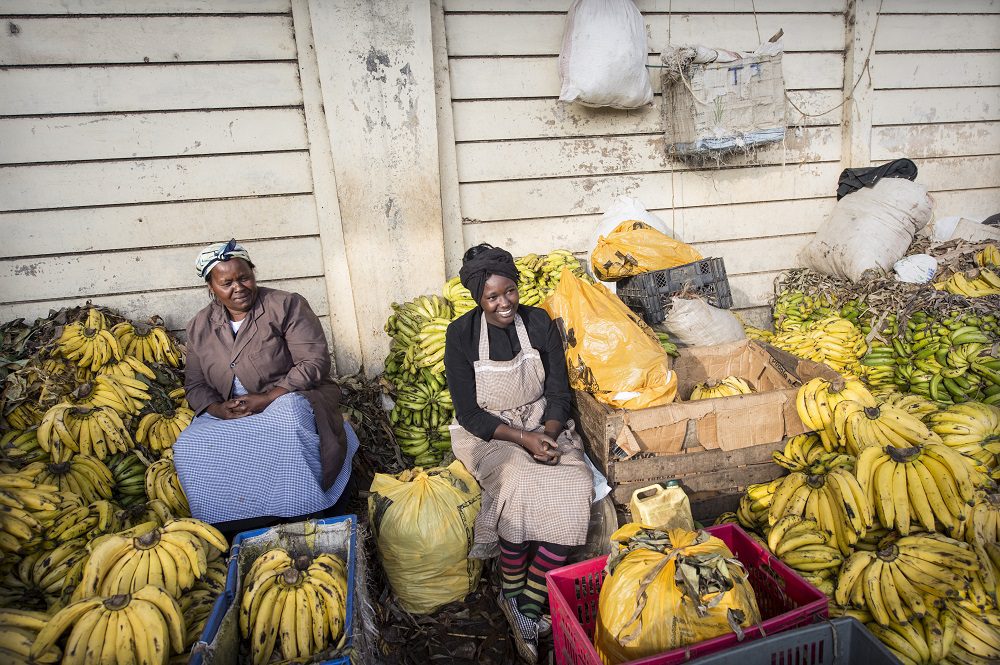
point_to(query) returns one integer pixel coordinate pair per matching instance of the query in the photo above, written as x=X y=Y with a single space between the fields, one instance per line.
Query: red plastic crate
x=785 y=601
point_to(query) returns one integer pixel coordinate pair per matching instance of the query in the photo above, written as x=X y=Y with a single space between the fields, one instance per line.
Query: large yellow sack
x=635 y=247
x=423 y=521
x=669 y=589
x=608 y=350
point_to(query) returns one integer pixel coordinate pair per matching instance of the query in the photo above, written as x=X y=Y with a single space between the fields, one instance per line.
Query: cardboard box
x=714 y=446
x=723 y=106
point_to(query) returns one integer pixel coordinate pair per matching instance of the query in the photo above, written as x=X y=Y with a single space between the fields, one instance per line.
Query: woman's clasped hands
x=542 y=447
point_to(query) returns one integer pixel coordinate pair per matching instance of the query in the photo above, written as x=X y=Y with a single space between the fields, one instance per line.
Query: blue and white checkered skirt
x=262 y=465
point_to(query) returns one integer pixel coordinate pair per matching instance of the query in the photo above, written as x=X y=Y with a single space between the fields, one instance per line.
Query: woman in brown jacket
x=269 y=441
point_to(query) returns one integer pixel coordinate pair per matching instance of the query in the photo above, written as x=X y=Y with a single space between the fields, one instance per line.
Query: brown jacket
x=281 y=343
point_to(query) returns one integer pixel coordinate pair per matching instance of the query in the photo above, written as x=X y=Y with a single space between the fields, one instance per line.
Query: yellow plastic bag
x=423 y=521
x=610 y=352
x=667 y=590
x=635 y=247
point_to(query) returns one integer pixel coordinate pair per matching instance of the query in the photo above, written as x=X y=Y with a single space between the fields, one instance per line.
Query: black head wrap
x=490 y=261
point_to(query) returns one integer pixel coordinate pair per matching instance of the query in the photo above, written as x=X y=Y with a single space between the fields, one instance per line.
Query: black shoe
x=524 y=630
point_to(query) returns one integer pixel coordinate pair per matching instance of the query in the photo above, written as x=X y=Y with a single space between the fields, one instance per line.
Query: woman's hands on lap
x=244 y=405
x=542 y=447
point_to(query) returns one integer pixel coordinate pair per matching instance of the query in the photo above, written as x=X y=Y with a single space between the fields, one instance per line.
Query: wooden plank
x=546 y=118
x=148 y=88
x=754 y=255
x=176 y=307
x=147 y=181
x=935 y=70
x=694 y=225
x=859 y=99
x=724 y=480
x=510 y=160
x=688 y=464
x=139 y=226
x=958 y=172
x=516 y=34
x=939 y=32
x=56 y=7
x=139 y=135
x=520 y=199
x=81 y=275
x=949 y=140
x=975 y=204
x=500 y=78
x=900 y=107
x=938 y=7
x=146 y=39
x=644 y=6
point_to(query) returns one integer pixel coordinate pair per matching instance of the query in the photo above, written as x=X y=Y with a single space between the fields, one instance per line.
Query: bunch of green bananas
x=21 y=446
x=296 y=606
x=141 y=627
x=804 y=546
x=948 y=360
x=797 y=310
x=129 y=474
x=668 y=347
x=421 y=418
x=730 y=386
x=418 y=330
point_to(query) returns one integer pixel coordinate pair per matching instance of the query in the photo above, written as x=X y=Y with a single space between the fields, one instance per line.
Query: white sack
x=693 y=322
x=916 y=269
x=603 y=57
x=870 y=229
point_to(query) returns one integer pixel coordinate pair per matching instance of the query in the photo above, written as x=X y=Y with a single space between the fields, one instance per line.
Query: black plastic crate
x=842 y=641
x=649 y=293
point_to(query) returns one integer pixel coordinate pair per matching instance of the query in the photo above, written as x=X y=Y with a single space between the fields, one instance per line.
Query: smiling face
x=499 y=300
x=235 y=286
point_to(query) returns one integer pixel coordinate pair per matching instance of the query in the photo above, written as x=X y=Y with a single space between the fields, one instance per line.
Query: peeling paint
x=375 y=62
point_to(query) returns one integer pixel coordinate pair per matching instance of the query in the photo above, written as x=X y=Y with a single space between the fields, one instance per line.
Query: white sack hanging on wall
x=603 y=57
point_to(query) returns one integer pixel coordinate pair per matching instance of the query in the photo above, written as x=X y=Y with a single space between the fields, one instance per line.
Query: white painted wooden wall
x=134 y=132
x=168 y=126
x=534 y=174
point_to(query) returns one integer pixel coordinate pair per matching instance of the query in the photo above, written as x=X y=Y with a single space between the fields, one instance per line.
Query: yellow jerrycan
x=662 y=507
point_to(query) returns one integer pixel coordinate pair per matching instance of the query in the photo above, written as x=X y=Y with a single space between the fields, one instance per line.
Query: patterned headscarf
x=217 y=252
x=492 y=261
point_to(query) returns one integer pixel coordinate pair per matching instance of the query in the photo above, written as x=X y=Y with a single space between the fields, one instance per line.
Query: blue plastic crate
x=226 y=653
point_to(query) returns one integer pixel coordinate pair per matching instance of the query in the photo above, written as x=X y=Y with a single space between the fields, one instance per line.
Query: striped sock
x=513 y=564
x=534 y=600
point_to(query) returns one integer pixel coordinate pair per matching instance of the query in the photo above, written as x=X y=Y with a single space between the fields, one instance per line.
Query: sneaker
x=544 y=625
x=524 y=630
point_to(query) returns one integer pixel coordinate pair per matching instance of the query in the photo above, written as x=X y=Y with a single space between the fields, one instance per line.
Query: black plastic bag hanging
x=851 y=180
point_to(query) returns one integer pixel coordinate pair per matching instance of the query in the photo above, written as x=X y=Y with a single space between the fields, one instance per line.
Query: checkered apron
x=523 y=500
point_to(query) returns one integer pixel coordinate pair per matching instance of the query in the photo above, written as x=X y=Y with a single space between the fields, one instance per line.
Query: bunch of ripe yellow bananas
x=858 y=427
x=162 y=483
x=53 y=572
x=171 y=557
x=160 y=431
x=140 y=627
x=459 y=297
x=913 y=404
x=817 y=400
x=802 y=452
x=295 y=605
x=540 y=274
x=90 y=343
x=22 y=497
x=755 y=505
x=833 y=340
x=83 y=475
x=910 y=482
x=834 y=500
x=727 y=387
x=923 y=640
x=148 y=343
x=971 y=428
x=18 y=630
x=96 y=431
x=974 y=284
x=804 y=546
